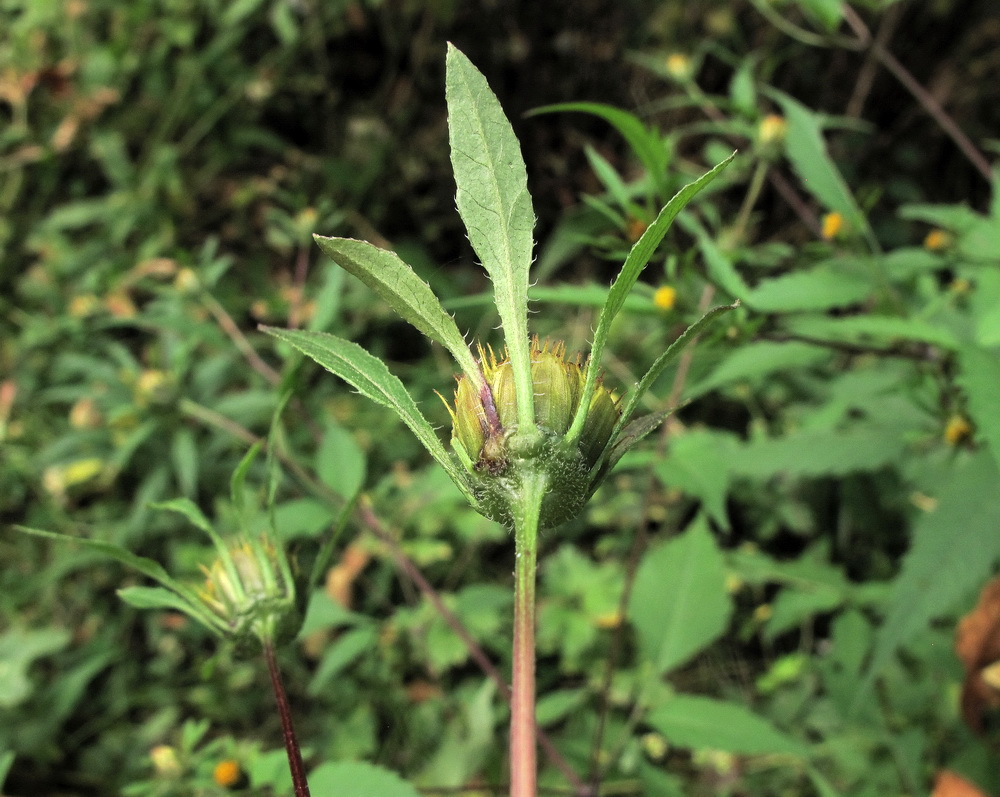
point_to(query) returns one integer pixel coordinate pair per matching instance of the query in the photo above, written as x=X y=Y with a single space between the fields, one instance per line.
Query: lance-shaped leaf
x=370 y=377
x=187 y=599
x=412 y=298
x=635 y=262
x=657 y=368
x=495 y=206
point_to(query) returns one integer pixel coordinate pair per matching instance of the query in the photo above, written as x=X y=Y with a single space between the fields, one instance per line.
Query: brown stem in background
x=295 y=764
x=924 y=97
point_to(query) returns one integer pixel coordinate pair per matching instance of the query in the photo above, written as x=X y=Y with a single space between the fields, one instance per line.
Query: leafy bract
x=673 y=350
x=370 y=376
x=398 y=284
x=635 y=262
x=494 y=204
x=187 y=599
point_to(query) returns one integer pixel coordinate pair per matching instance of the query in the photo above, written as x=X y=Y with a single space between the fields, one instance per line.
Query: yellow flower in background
x=227 y=773
x=165 y=761
x=832 y=224
x=83 y=305
x=938 y=240
x=957 y=430
x=772 y=129
x=679 y=67
x=665 y=297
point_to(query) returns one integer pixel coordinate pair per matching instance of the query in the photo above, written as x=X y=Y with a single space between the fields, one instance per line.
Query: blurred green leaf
x=19 y=649
x=979 y=377
x=954 y=549
x=340 y=462
x=358 y=779
x=703 y=723
x=679 y=601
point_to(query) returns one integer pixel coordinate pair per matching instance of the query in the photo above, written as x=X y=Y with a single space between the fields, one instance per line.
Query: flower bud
x=250 y=588
x=485 y=425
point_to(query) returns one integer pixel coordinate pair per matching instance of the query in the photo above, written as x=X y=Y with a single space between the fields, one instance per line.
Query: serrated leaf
x=494 y=203
x=398 y=284
x=19 y=648
x=679 y=601
x=370 y=376
x=358 y=779
x=806 y=149
x=635 y=262
x=703 y=723
x=979 y=377
x=954 y=549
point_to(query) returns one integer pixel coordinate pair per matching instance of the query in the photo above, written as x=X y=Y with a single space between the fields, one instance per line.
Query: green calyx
x=486 y=436
x=249 y=588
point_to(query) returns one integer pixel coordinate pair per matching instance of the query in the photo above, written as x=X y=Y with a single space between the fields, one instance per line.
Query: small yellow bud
x=83 y=305
x=938 y=240
x=772 y=129
x=832 y=225
x=679 y=67
x=187 y=281
x=665 y=297
x=763 y=613
x=957 y=430
x=960 y=286
x=165 y=761
x=154 y=387
x=120 y=305
x=84 y=414
x=655 y=745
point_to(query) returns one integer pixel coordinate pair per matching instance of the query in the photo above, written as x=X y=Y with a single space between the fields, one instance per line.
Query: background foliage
x=761 y=601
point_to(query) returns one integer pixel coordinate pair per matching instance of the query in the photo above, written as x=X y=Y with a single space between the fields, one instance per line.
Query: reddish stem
x=295 y=764
x=523 y=764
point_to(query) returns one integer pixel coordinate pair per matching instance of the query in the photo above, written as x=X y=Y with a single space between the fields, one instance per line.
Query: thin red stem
x=295 y=764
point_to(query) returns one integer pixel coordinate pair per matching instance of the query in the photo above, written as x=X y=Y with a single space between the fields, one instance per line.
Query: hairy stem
x=295 y=764
x=522 y=705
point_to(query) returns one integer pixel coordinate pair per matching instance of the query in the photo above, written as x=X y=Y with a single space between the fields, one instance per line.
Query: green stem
x=522 y=705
